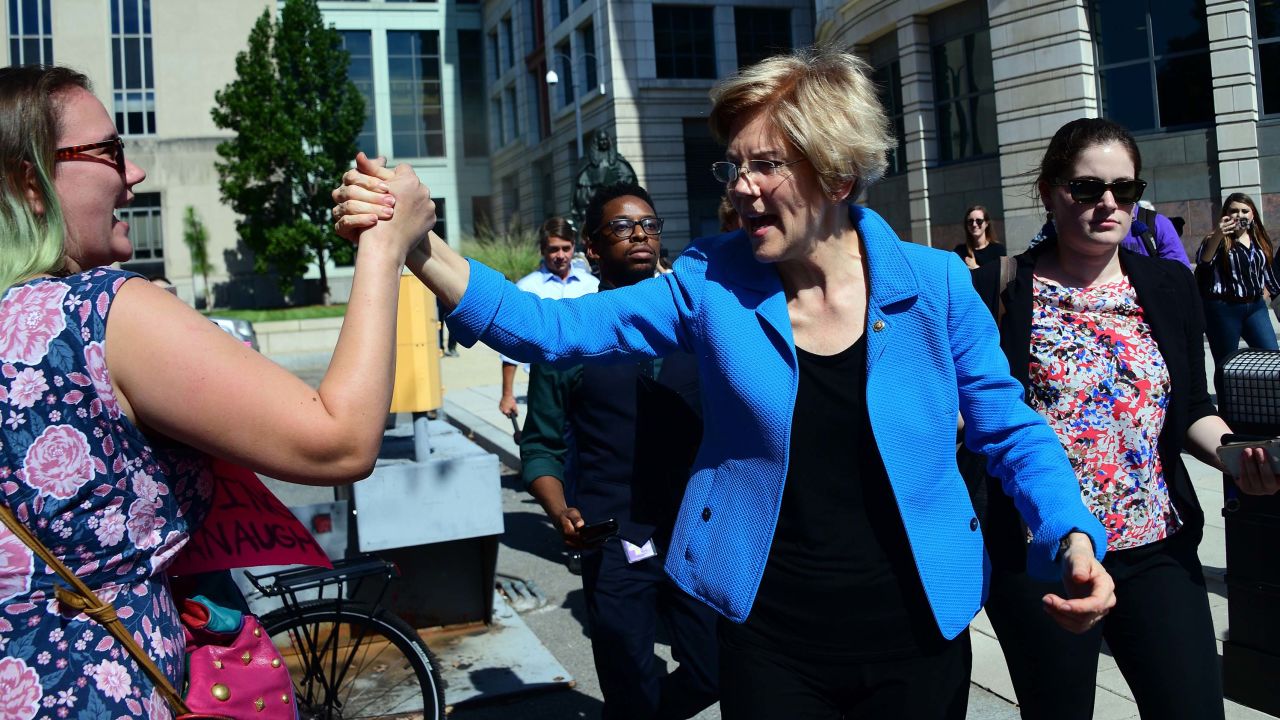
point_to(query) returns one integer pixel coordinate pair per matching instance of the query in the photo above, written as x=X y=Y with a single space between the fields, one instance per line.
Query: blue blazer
x=932 y=351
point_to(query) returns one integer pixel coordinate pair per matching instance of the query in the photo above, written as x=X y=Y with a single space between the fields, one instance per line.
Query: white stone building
x=978 y=87
x=157 y=65
x=639 y=69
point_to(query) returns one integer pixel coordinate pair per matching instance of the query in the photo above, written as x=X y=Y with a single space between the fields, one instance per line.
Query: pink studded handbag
x=232 y=667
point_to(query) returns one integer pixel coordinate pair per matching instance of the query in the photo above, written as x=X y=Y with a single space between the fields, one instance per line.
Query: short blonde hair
x=823 y=102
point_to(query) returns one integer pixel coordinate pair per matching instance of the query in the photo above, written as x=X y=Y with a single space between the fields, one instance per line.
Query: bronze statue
x=601 y=167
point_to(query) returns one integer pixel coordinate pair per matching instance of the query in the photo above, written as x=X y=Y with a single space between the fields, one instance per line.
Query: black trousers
x=624 y=605
x=756 y=684
x=1160 y=633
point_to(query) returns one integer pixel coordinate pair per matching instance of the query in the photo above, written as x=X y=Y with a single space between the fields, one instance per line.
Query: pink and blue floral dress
x=1098 y=378
x=113 y=504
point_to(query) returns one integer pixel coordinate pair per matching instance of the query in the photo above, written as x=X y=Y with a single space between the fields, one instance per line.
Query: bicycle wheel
x=352 y=662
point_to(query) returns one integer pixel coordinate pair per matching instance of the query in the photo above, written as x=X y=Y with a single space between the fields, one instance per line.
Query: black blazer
x=1171 y=306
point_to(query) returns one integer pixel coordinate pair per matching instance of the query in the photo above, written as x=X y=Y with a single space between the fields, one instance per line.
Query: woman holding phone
x=1236 y=275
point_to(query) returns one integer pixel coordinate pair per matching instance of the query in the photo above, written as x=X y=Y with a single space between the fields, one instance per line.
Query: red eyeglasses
x=79 y=153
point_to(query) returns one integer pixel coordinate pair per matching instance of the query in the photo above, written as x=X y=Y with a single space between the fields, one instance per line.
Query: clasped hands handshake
x=376 y=204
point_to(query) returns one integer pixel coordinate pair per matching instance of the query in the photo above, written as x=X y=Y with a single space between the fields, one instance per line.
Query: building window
x=359 y=46
x=587 y=49
x=417 y=110
x=508 y=44
x=540 y=92
x=562 y=60
x=134 y=97
x=1266 y=18
x=495 y=61
x=30 y=34
x=509 y=119
x=510 y=200
x=475 y=141
x=143 y=216
x=964 y=85
x=1153 y=62
x=440 y=228
x=703 y=191
x=887 y=76
x=761 y=33
x=684 y=41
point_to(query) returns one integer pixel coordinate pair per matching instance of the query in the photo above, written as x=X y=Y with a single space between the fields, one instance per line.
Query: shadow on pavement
x=545 y=705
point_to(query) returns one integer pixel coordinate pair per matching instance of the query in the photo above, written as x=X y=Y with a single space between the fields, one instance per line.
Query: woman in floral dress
x=1109 y=346
x=113 y=395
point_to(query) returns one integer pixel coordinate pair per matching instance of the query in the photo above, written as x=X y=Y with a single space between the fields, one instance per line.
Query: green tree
x=196 y=238
x=295 y=116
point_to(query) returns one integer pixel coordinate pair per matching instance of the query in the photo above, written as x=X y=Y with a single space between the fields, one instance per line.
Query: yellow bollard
x=417 y=387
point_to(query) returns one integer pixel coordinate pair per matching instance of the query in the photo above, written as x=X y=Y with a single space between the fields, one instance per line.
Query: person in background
x=556 y=278
x=636 y=428
x=1107 y=343
x=1154 y=235
x=825 y=518
x=117 y=395
x=1236 y=275
x=981 y=245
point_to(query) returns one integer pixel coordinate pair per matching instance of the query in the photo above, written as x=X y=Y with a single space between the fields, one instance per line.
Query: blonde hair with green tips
x=32 y=242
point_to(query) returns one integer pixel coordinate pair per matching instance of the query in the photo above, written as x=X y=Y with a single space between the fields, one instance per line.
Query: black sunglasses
x=1090 y=190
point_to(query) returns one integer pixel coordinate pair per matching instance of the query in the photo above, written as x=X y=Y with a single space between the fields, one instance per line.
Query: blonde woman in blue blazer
x=825 y=519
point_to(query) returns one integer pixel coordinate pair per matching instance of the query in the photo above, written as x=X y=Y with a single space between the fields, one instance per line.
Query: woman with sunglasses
x=116 y=395
x=981 y=245
x=1236 y=274
x=1108 y=345
x=825 y=518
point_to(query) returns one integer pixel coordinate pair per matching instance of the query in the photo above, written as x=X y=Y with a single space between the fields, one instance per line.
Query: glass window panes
x=134 y=97
x=1153 y=62
x=684 y=41
x=471 y=79
x=588 y=47
x=509 y=119
x=1269 y=77
x=417 y=108
x=30 y=32
x=359 y=47
x=143 y=216
x=761 y=33
x=508 y=44
x=563 y=63
x=964 y=92
x=1266 y=18
x=888 y=79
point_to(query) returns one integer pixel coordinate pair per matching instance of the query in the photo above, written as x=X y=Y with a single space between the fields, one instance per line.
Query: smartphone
x=597 y=532
x=1232 y=450
x=1244 y=223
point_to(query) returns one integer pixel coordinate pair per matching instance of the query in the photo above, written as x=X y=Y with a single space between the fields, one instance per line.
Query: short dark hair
x=554 y=227
x=1074 y=138
x=594 y=215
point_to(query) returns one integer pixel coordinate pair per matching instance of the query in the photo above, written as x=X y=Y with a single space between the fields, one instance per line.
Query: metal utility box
x=433 y=504
x=1250 y=403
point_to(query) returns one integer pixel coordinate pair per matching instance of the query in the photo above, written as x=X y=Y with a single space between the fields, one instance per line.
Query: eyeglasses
x=728 y=172
x=976 y=221
x=1090 y=190
x=624 y=228
x=78 y=152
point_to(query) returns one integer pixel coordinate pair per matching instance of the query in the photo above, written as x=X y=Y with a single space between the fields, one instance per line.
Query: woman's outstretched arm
x=178 y=375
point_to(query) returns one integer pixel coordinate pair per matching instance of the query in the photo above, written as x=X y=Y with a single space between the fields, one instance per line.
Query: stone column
x=1043 y=61
x=1235 y=96
x=920 y=125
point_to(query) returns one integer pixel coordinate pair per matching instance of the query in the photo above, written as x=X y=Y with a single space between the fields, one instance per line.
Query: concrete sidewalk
x=472 y=388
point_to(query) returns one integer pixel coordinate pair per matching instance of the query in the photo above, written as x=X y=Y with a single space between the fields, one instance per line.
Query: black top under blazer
x=1170 y=304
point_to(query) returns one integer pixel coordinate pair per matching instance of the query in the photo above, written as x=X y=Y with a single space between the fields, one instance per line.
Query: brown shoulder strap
x=83 y=599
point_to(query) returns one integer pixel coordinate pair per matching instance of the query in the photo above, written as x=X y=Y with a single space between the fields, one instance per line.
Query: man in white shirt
x=556 y=278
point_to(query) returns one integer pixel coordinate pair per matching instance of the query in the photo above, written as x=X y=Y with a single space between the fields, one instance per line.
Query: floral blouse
x=1098 y=378
x=111 y=503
